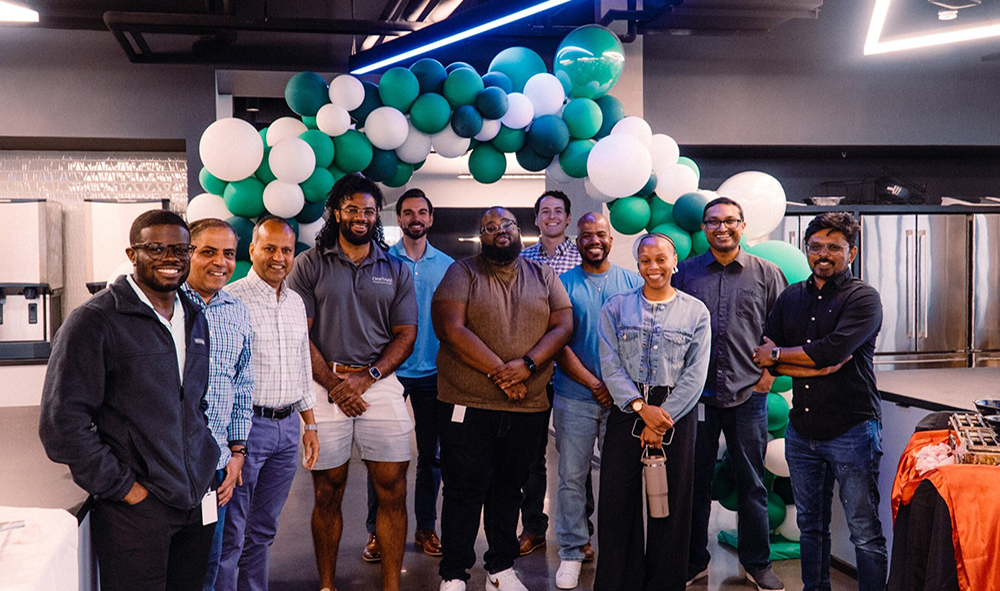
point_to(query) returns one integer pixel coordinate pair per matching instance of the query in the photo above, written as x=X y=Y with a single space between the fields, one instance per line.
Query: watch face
x=375 y=373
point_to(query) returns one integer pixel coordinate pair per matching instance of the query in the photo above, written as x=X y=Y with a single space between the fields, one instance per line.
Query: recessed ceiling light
x=15 y=13
x=873 y=44
x=947 y=15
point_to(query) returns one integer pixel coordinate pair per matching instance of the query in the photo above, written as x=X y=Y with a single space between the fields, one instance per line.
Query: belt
x=272 y=413
x=346 y=367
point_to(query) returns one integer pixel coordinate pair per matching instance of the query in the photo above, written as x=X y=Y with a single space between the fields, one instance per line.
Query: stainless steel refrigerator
x=986 y=290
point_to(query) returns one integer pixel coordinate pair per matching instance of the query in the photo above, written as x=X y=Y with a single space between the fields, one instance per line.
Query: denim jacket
x=657 y=344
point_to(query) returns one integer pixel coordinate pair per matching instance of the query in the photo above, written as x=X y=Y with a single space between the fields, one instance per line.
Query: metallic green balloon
x=589 y=62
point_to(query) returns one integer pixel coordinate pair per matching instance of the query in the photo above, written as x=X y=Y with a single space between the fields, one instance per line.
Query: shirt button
x=820 y=297
x=656 y=346
x=807 y=386
x=813 y=319
x=808 y=340
x=807 y=409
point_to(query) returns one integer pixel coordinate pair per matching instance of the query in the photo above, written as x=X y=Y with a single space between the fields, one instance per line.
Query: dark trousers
x=628 y=560
x=534 y=521
x=150 y=546
x=215 y=554
x=483 y=468
x=745 y=427
x=422 y=393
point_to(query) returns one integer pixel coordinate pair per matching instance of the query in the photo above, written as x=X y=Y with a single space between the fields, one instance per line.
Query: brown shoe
x=372 y=553
x=588 y=553
x=427 y=540
x=529 y=543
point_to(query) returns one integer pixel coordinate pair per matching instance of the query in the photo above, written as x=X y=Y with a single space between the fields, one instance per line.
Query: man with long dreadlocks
x=362 y=315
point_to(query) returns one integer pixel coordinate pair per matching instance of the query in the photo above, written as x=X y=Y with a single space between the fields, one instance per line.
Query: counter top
x=939 y=389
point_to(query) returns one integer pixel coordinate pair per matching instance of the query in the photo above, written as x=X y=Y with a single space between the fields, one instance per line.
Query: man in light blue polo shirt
x=581 y=402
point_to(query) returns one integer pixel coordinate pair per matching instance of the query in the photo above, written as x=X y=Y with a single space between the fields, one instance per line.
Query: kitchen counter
x=939 y=389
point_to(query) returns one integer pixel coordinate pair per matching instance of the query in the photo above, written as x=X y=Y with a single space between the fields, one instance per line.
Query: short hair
x=413 y=194
x=837 y=221
x=270 y=218
x=556 y=194
x=721 y=201
x=670 y=241
x=155 y=217
x=352 y=184
x=491 y=208
x=197 y=227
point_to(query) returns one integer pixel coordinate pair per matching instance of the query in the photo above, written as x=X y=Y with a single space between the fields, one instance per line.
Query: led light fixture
x=15 y=13
x=873 y=44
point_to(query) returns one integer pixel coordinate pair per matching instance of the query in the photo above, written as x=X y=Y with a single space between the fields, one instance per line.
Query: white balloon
x=292 y=161
x=762 y=199
x=675 y=180
x=386 y=128
x=491 y=127
x=710 y=195
x=591 y=190
x=619 y=165
x=787 y=396
x=519 y=113
x=774 y=458
x=308 y=232
x=546 y=94
x=231 y=149
x=556 y=174
x=333 y=120
x=663 y=150
x=206 y=206
x=347 y=91
x=637 y=127
x=125 y=268
x=283 y=199
x=789 y=528
x=449 y=144
x=416 y=148
x=284 y=128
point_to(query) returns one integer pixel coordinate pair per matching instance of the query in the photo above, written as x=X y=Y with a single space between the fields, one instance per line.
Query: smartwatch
x=775 y=353
x=241 y=450
x=532 y=368
x=638 y=404
x=374 y=373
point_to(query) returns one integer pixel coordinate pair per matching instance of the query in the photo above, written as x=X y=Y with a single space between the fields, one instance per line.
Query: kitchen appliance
x=986 y=290
x=106 y=226
x=792 y=230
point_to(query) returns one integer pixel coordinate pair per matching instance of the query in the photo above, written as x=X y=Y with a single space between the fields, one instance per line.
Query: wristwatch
x=241 y=450
x=374 y=373
x=310 y=427
x=638 y=404
x=532 y=368
x=775 y=353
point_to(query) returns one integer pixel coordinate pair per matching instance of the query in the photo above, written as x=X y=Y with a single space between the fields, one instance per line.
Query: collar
x=561 y=248
x=742 y=257
x=145 y=299
x=375 y=253
x=838 y=281
x=263 y=288
x=221 y=298
x=400 y=251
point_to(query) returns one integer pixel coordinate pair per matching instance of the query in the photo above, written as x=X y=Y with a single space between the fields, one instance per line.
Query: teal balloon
x=722 y=483
x=612 y=111
x=649 y=187
x=430 y=113
x=792 y=261
x=263 y=171
x=458 y=66
x=680 y=236
x=310 y=122
x=294 y=225
x=417 y=166
x=402 y=175
x=383 y=165
x=430 y=75
x=243 y=228
x=532 y=160
x=311 y=212
x=690 y=164
x=466 y=121
x=509 y=140
x=548 y=135
x=317 y=187
x=768 y=479
x=777 y=412
x=699 y=243
x=306 y=92
x=573 y=159
x=781 y=384
x=371 y=102
x=730 y=501
x=263 y=135
x=321 y=145
x=492 y=102
x=211 y=183
x=779 y=433
x=242 y=268
x=337 y=173
x=583 y=118
x=499 y=80
x=775 y=510
x=245 y=197
x=487 y=164
x=689 y=209
x=630 y=215
x=519 y=64
x=301 y=247
x=589 y=62
x=398 y=88
x=462 y=87
x=660 y=212
x=352 y=151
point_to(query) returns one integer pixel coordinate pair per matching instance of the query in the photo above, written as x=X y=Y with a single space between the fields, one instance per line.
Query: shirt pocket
x=675 y=345
x=750 y=305
x=630 y=345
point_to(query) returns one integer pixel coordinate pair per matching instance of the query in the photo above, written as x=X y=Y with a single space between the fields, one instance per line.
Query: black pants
x=483 y=468
x=623 y=564
x=150 y=546
x=534 y=521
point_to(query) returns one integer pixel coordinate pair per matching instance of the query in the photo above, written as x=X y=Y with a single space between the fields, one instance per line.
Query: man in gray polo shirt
x=362 y=315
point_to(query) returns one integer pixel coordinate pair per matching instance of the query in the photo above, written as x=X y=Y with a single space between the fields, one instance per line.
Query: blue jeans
x=745 y=427
x=213 y=557
x=852 y=460
x=578 y=425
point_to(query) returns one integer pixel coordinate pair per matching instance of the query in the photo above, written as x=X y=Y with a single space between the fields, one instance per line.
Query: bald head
x=593 y=217
x=593 y=240
x=494 y=213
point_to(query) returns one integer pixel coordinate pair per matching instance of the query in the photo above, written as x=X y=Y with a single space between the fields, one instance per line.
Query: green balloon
x=301 y=247
x=690 y=164
x=730 y=501
x=306 y=92
x=630 y=215
x=398 y=88
x=768 y=479
x=295 y=226
x=263 y=135
x=337 y=173
x=589 y=62
x=775 y=510
x=487 y=164
x=509 y=140
x=402 y=175
x=583 y=118
x=612 y=112
x=352 y=151
x=242 y=268
x=548 y=135
x=792 y=261
x=777 y=412
x=689 y=209
x=492 y=103
x=699 y=243
x=466 y=121
x=519 y=64
x=779 y=433
x=682 y=240
x=781 y=384
x=430 y=75
x=211 y=183
x=649 y=187
x=573 y=159
x=722 y=483
x=660 y=212
x=369 y=104
x=462 y=87
x=417 y=166
x=263 y=171
x=532 y=160
x=500 y=80
x=243 y=228
x=311 y=212
x=430 y=113
x=321 y=145
x=245 y=198
x=383 y=165
x=317 y=187
x=310 y=122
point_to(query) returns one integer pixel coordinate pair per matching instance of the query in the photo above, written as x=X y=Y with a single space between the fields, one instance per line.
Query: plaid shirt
x=230 y=373
x=281 y=361
x=567 y=256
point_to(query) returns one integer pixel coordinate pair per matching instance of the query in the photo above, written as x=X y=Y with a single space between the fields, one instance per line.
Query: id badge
x=210 y=508
x=458 y=414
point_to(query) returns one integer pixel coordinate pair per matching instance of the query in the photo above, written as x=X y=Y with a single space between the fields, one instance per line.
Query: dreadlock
x=343 y=189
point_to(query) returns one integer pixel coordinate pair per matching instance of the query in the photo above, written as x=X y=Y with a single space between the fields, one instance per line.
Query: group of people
x=179 y=401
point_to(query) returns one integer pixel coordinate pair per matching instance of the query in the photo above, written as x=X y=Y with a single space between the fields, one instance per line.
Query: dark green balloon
x=466 y=121
x=311 y=212
x=402 y=175
x=317 y=187
x=699 y=243
x=462 y=87
x=430 y=75
x=263 y=171
x=583 y=118
x=777 y=412
x=589 y=61
x=499 y=80
x=519 y=64
x=680 y=236
x=730 y=501
x=548 y=135
x=660 y=212
x=781 y=384
x=294 y=224
x=573 y=159
x=532 y=160
x=321 y=145
x=383 y=165
x=242 y=268
x=779 y=433
x=306 y=92
x=487 y=164
x=398 y=88
x=310 y=122
x=492 y=103
x=458 y=66
x=612 y=112
x=509 y=140
x=245 y=197
x=689 y=209
x=419 y=164
x=211 y=183
x=430 y=113
x=352 y=151
x=369 y=104
x=243 y=228
x=301 y=247
x=630 y=215
x=649 y=187
x=263 y=135
x=775 y=510
x=337 y=173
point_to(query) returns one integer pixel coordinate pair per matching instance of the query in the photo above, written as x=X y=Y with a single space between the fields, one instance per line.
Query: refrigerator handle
x=910 y=287
x=793 y=239
x=924 y=283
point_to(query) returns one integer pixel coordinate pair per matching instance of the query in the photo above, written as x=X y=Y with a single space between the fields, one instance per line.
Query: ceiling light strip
x=14 y=13
x=873 y=46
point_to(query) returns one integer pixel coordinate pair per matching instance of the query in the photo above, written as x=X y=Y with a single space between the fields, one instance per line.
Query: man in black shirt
x=821 y=332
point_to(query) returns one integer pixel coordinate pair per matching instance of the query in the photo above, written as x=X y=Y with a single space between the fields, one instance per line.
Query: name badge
x=458 y=414
x=701 y=412
x=210 y=508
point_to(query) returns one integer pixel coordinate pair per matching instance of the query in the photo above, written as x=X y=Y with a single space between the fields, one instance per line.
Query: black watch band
x=241 y=450
x=530 y=363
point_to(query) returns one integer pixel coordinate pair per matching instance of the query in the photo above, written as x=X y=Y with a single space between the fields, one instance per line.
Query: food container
x=988 y=406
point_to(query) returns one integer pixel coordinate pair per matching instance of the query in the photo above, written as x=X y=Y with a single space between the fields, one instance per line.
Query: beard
x=350 y=236
x=595 y=262
x=415 y=231
x=502 y=255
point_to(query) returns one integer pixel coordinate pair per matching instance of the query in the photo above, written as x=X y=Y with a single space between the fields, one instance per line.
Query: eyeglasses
x=814 y=248
x=368 y=212
x=491 y=229
x=714 y=224
x=157 y=251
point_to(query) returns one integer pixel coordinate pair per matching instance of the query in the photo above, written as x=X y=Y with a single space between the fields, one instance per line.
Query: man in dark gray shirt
x=739 y=290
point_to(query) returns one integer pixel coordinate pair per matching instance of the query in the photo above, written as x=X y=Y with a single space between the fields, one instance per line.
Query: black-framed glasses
x=815 y=248
x=368 y=212
x=714 y=224
x=491 y=229
x=157 y=251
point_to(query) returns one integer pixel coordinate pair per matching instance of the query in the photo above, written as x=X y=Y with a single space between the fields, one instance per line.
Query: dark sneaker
x=766 y=580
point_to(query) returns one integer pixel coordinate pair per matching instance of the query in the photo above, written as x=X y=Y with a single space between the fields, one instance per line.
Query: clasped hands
x=347 y=393
x=658 y=422
x=510 y=378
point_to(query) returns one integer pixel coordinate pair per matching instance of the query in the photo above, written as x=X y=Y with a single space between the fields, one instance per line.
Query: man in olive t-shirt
x=501 y=319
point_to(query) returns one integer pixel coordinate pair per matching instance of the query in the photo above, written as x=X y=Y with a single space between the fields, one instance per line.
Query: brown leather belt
x=346 y=368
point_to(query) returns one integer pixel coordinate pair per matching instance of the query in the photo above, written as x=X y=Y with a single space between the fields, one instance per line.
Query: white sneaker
x=452 y=585
x=568 y=575
x=505 y=580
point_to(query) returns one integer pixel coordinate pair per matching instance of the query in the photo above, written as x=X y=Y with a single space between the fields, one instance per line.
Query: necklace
x=600 y=285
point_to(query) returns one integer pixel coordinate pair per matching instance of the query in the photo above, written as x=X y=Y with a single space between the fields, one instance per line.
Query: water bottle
x=654 y=472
